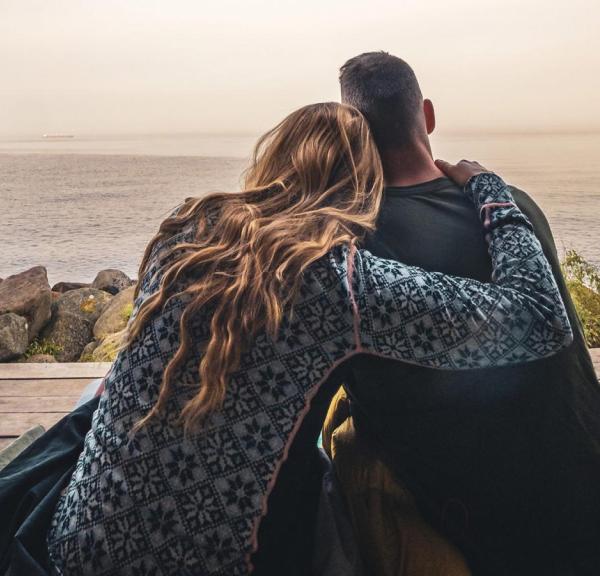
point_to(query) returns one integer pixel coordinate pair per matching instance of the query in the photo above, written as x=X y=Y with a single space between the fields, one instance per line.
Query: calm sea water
x=81 y=205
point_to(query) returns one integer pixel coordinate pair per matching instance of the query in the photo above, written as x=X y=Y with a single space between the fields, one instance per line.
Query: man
x=505 y=463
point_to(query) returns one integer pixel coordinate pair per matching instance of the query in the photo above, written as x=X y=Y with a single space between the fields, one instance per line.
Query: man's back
x=504 y=461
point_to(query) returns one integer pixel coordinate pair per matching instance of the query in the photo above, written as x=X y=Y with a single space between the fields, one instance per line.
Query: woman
x=246 y=304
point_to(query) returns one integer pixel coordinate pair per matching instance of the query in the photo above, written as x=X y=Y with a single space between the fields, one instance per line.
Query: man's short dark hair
x=385 y=89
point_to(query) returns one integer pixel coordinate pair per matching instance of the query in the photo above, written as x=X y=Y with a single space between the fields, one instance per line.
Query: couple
x=350 y=257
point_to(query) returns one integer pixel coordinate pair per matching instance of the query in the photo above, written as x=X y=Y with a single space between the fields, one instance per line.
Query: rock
x=28 y=294
x=40 y=359
x=112 y=281
x=14 y=336
x=62 y=287
x=73 y=317
x=108 y=349
x=86 y=353
x=115 y=315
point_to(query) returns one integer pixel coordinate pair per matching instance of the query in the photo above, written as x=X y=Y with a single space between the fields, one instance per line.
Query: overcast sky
x=235 y=66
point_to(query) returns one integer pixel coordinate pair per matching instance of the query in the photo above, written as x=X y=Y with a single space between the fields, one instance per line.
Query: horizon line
x=250 y=134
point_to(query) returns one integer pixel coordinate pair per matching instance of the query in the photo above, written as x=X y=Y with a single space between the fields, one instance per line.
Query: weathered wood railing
x=33 y=394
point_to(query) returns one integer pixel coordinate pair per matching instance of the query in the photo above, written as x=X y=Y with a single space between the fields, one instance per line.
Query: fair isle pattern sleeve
x=445 y=322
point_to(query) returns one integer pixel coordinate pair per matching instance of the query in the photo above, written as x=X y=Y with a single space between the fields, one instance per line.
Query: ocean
x=80 y=205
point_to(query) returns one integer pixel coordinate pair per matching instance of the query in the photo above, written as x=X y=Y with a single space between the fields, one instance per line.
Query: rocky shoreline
x=75 y=322
x=68 y=322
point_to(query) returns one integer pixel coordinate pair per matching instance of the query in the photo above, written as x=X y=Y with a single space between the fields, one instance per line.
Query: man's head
x=385 y=89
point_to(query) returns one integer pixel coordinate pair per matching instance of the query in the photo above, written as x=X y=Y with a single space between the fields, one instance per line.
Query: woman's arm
x=441 y=321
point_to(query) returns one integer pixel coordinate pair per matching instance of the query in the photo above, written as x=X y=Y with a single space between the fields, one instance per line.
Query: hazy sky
x=144 y=66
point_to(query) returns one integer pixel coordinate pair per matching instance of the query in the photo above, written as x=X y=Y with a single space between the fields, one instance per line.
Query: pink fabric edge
x=100 y=388
x=487 y=207
x=273 y=480
x=307 y=402
x=355 y=312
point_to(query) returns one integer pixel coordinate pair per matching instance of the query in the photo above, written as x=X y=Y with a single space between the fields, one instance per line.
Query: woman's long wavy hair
x=315 y=182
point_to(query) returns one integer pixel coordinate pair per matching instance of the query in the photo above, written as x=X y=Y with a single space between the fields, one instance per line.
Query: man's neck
x=409 y=166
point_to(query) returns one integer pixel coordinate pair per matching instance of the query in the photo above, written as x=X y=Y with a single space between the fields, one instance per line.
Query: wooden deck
x=33 y=394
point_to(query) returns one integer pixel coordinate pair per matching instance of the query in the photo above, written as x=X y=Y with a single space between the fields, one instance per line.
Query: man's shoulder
x=535 y=214
x=525 y=202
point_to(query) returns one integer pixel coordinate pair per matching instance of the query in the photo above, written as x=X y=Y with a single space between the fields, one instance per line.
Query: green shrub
x=583 y=281
x=42 y=347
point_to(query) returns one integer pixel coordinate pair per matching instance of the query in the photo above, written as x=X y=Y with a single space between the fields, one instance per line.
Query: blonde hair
x=315 y=182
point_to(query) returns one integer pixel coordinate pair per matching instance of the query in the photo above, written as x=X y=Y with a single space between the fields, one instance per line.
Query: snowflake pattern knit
x=156 y=503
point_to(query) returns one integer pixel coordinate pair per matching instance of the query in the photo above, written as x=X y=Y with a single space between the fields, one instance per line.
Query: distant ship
x=58 y=136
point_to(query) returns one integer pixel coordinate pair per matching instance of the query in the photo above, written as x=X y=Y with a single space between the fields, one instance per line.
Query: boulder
x=115 y=316
x=40 y=359
x=108 y=349
x=112 y=281
x=62 y=287
x=14 y=336
x=86 y=353
x=28 y=294
x=73 y=317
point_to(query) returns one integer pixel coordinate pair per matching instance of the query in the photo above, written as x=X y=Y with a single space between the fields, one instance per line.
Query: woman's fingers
x=443 y=165
x=460 y=172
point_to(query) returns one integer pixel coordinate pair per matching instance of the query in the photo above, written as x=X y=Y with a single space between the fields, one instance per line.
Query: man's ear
x=429 y=112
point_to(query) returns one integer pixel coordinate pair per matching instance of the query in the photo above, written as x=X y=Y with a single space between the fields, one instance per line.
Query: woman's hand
x=462 y=171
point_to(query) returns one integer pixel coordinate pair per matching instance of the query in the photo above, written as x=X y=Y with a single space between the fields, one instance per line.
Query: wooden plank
x=23 y=371
x=20 y=404
x=595 y=354
x=49 y=387
x=16 y=424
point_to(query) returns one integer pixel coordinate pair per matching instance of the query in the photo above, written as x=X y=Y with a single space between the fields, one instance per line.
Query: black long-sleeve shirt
x=505 y=461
